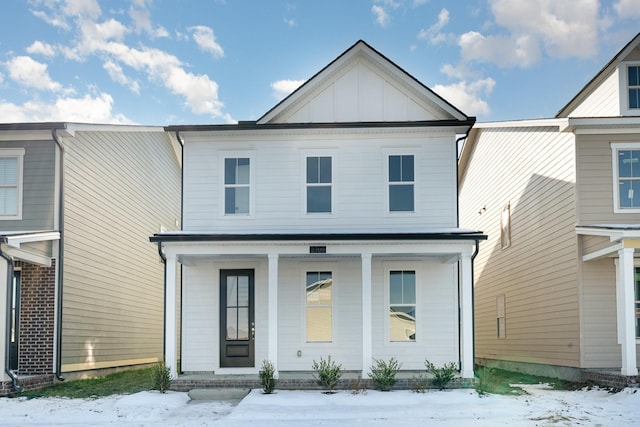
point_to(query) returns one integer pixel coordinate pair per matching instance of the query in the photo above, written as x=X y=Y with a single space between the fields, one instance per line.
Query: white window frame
x=624 y=88
x=237 y=155
x=18 y=154
x=400 y=266
x=304 y=154
x=615 y=147
x=416 y=177
x=314 y=267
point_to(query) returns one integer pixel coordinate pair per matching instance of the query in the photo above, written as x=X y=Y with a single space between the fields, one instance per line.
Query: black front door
x=15 y=323
x=237 y=327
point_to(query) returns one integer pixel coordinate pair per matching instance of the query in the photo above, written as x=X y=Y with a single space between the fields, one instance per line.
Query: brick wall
x=37 y=315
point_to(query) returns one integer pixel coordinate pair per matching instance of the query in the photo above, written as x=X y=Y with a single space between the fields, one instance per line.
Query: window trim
x=304 y=155
x=223 y=198
x=623 y=70
x=17 y=153
x=400 y=266
x=615 y=147
x=407 y=151
x=315 y=268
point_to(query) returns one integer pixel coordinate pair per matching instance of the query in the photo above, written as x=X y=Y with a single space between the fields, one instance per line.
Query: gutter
x=60 y=260
x=9 y=278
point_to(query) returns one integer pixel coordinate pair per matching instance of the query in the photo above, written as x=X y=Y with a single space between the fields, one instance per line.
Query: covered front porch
x=360 y=329
x=624 y=244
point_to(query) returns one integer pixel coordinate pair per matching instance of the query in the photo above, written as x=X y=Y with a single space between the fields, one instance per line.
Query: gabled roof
x=363 y=64
x=599 y=77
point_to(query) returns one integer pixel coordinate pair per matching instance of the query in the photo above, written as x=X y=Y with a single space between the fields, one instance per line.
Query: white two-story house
x=328 y=227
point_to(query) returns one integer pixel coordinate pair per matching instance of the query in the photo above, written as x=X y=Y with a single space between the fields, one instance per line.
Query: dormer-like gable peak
x=362 y=85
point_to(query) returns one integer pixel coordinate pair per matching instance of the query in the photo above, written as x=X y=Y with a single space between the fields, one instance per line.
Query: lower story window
x=402 y=305
x=319 y=306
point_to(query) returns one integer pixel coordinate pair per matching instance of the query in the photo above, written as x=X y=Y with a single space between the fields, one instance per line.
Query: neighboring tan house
x=328 y=227
x=80 y=288
x=557 y=284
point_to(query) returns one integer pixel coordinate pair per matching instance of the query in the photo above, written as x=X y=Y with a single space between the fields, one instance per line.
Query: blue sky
x=162 y=62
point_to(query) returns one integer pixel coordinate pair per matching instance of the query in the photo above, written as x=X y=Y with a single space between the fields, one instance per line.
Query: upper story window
x=401 y=183
x=11 y=161
x=237 y=185
x=633 y=86
x=626 y=170
x=319 y=184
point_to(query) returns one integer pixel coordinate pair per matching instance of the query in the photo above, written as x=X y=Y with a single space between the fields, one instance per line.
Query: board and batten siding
x=603 y=101
x=358 y=181
x=532 y=170
x=120 y=188
x=38 y=197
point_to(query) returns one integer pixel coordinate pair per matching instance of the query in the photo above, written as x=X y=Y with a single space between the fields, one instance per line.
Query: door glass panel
x=232 y=323
x=232 y=291
x=243 y=291
x=243 y=323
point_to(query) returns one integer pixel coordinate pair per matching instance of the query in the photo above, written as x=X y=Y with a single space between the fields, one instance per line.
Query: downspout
x=7 y=368
x=60 y=260
x=164 y=299
x=473 y=303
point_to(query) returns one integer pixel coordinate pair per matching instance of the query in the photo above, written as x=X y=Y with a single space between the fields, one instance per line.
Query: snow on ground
x=459 y=408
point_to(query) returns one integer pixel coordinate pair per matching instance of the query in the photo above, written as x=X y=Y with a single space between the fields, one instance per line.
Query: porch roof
x=325 y=235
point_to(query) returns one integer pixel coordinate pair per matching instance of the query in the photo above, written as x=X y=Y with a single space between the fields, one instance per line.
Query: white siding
x=532 y=169
x=120 y=188
x=358 y=182
x=436 y=314
x=346 y=346
x=604 y=101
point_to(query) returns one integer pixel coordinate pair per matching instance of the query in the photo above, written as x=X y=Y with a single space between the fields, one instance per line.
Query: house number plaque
x=317 y=249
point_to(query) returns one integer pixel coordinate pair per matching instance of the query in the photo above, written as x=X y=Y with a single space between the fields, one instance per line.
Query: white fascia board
x=603 y=125
x=15 y=240
x=29 y=257
x=560 y=123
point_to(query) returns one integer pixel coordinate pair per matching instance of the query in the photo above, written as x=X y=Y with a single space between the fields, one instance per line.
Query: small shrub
x=441 y=376
x=161 y=376
x=327 y=373
x=383 y=374
x=419 y=384
x=486 y=381
x=357 y=387
x=267 y=377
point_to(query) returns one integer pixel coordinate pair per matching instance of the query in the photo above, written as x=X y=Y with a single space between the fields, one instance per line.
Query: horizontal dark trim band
x=207 y=237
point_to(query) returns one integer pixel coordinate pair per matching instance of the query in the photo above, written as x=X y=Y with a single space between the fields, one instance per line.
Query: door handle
x=253 y=330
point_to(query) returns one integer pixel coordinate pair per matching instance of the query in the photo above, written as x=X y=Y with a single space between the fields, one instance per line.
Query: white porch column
x=367 y=340
x=170 y=326
x=625 y=282
x=272 y=329
x=466 y=317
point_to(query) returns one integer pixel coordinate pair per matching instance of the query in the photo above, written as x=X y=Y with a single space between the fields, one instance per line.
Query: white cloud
x=82 y=8
x=33 y=74
x=565 y=29
x=282 y=88
x=87 y=109
x=468 y=96
x=433 y=34
x=206 y=40
x=627 y=9
x=382 y=17
x=55 y=20
x=141 y=16
x=521 y=51
x=290 y=22
x=118 y=76
x=41 y=48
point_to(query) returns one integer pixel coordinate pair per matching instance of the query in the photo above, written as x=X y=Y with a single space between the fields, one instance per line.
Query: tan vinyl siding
x=595 y=180
x=120 y=187
x=38 y=197
x=600 y=337
x=532 y=169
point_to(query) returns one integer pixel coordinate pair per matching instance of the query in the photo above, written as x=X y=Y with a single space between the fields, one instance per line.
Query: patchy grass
x=499 y=381
x=125 y=382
